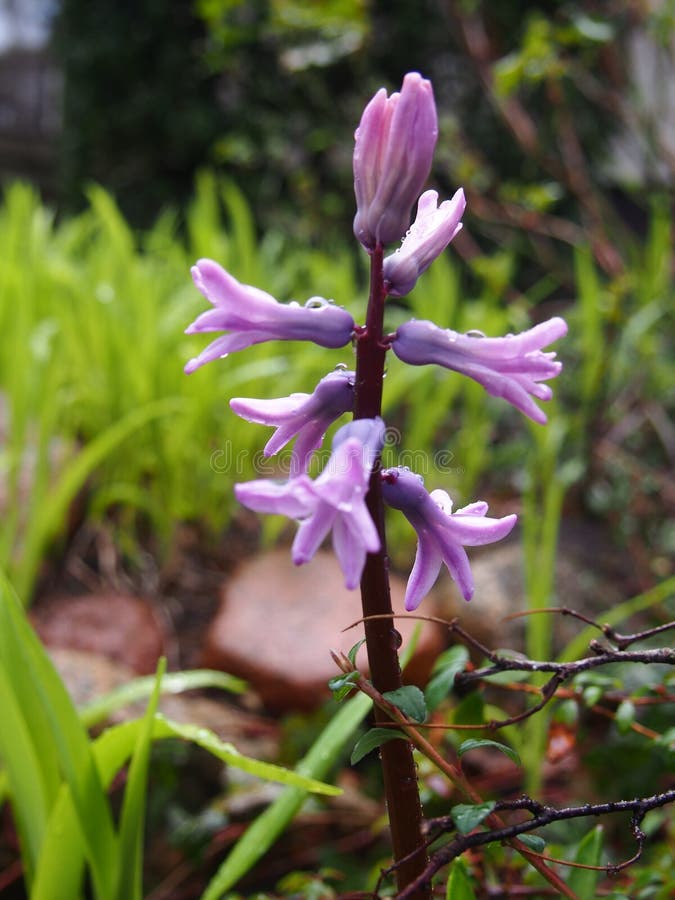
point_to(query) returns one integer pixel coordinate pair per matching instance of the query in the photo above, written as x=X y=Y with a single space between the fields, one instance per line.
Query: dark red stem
x=382 y=639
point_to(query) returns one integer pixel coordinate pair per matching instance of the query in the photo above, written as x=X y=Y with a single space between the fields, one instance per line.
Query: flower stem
x=382 y=639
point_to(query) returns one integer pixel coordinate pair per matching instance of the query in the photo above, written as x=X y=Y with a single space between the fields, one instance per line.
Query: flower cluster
x=394 y=145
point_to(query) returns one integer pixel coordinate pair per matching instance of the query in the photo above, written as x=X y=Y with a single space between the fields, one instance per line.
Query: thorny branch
x=542 y=815
x=458 y=779
x=564 y=671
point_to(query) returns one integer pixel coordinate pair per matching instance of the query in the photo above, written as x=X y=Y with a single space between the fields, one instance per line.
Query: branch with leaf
x=477 y=822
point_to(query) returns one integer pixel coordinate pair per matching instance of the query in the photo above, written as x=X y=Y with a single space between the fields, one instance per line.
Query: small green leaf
x=342 y=685
x=567 y=712
x=584 y=881
x=597 y=30
x=445 y=668
x=592 y=694
x=470 y=710
x=625 y=715
x=459 y=883
x=533 y=842
x=410 y=700
x=354 y=650
x=132 y=818
x=372 y=739
x=467 y=817
x=473 y=743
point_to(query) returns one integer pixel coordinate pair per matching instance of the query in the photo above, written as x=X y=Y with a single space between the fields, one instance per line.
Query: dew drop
x=475 y=333
x=396 y=639
x=341 y=367
x=315 y=303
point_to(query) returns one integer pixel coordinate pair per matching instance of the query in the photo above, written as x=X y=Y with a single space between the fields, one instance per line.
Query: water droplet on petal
x=316 y=303
x=341 y=367
x=475 y=333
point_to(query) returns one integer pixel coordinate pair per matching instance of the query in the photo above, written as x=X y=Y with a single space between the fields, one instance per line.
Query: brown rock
x=278 y=623
x=118 y=626
x=591 y=577
x=88 y=675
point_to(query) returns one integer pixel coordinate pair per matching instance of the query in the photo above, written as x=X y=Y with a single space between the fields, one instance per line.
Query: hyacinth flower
x=306 y=415
x=394 y=146
x=333 y=501
x=253 y=316
x=442 y=534
x=431 y=232
x=510 y=367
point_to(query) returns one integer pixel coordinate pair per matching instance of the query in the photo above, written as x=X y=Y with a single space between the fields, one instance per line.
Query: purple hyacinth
x=442 y=534
x=431 y=232
x=306 y=415
x=394 y=147
x=333 y=501
x=511 y=367
x=253 y=316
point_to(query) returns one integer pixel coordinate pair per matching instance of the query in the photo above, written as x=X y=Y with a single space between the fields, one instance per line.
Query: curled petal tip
x=511 y=367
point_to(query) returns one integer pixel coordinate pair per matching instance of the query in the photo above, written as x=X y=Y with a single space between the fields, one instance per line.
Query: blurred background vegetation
x=161 y=132
x=138 y=136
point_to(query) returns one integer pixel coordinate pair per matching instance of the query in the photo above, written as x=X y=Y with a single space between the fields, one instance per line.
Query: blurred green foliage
x=530 y=96
x=96 y=405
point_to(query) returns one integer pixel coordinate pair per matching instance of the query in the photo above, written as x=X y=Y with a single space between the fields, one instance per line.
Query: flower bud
x=394 y=147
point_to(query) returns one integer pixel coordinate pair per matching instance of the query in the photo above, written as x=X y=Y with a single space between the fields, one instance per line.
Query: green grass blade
x=69 y=744
x=459 y=883
x=100 y=709
x=130 y=884
x=228 y=753
x=265 y=830
x=584 y=882
x=57 y=877
x=25 y=780
x=71 y=480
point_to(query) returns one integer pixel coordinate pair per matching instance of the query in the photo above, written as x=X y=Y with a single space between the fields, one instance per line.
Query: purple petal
x=253 y=316
x=294 y=499
x=268 y=412
x=511 y=367
x=350 y=551
x=427 y=565
x=429 y=235
x=312 y=533
x=441 y=533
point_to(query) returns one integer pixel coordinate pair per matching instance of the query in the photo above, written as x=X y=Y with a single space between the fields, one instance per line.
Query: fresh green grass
x=56 y=777
x=91 y=367
x=96 y=403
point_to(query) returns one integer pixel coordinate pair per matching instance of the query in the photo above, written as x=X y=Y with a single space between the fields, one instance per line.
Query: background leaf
x=474 y=743
x=372 y=739
x=468 y=816
x=410 y=700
